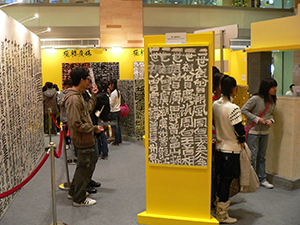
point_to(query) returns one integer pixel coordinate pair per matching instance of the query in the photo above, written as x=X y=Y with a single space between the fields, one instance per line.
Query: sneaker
x=94 y=183
x=114 y=143
x=86 y=202
x=266 y=184
x=71 y=197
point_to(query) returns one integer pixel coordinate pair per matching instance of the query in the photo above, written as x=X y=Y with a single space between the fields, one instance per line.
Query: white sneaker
x=266 y=184
x=71 y=197
x=86 y=202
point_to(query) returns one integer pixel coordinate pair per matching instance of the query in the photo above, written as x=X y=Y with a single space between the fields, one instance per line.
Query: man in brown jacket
x=82 y=134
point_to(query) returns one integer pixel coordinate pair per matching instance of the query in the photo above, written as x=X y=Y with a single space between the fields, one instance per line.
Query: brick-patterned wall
x=259 y=67
x=121 y=23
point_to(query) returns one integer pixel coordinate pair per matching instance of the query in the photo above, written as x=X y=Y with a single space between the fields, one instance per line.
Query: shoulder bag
x=247 y=129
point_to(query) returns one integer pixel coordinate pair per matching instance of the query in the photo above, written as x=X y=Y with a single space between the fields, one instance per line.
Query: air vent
x=239 y=44
x=70 y=43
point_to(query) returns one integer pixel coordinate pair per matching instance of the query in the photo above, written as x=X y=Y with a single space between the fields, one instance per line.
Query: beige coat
x=248 y=179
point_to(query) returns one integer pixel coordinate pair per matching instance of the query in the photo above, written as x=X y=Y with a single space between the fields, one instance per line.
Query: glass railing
x=50 y=1
x=275 y=4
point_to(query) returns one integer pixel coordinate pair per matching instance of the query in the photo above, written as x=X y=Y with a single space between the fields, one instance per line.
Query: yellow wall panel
x=52 y=60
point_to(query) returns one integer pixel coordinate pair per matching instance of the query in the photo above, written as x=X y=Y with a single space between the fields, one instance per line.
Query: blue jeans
x=115 y=117
x=258 y=145
x=103 y=147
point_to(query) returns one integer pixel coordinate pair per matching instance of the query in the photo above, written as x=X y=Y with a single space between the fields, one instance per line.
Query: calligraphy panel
x=138 y=70
x=178 y=105
x=21 y=105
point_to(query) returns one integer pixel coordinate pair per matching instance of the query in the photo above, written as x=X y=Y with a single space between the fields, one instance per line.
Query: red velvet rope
x=9 y=192
x=54 y=121
x=68 y=133
x=57 y=155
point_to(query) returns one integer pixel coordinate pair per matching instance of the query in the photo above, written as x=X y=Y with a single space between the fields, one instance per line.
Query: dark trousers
x=227 y=168
x=53 y=126
x=83 y=173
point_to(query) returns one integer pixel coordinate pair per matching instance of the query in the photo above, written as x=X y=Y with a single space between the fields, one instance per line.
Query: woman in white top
x=115 y=102
x=230 y=138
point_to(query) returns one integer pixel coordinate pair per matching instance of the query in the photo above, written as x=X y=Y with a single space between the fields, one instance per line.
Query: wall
x=207 y=16
x=21 y=106
x=52 y=60
x=121 y=27
x=235 y=64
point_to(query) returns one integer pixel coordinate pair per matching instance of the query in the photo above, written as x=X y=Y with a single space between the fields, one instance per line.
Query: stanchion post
x=49 y=124
x=52 y=145
x=65 y=186
x=53 y=183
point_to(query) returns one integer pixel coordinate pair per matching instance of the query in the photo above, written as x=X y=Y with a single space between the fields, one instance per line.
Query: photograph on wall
x=178 y=105
x=67 y=68
x=103 y=71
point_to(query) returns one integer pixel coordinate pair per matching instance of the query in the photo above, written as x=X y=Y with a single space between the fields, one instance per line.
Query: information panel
x=178 y=105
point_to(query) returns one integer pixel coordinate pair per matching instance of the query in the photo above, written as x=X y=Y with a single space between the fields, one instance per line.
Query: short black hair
x=49 y=84
x=215 y=70
x=67 y=82
x=292 y=85
x=77 y=74
x=227 y=84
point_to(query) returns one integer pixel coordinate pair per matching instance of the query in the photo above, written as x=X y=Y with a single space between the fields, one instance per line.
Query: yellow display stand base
x=149 y=219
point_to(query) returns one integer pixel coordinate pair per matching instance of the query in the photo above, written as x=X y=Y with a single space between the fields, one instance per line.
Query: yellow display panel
x=177 y=194
x=52 y=60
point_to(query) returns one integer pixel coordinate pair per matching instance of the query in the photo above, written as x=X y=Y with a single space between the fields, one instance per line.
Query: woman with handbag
x=230 y=138
x=115 y=102
x=259 y=113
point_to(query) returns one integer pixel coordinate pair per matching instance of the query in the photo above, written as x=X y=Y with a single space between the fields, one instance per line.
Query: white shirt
x=226 y=115
x=115 y=101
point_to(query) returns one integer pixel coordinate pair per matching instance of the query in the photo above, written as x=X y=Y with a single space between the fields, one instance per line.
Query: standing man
x=82 y=134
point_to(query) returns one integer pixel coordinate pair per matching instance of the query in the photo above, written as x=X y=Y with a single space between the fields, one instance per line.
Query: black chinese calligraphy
x=21 y=114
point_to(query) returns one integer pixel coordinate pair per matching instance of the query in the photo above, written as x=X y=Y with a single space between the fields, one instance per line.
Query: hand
x=269 y=123
x=243 y=145
x=95 y=89
x=100 y=129
x=262 y=121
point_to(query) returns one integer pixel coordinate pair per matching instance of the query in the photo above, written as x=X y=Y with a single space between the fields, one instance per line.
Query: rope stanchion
x=57 y=155
x=9 y=192
x=54 y=121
